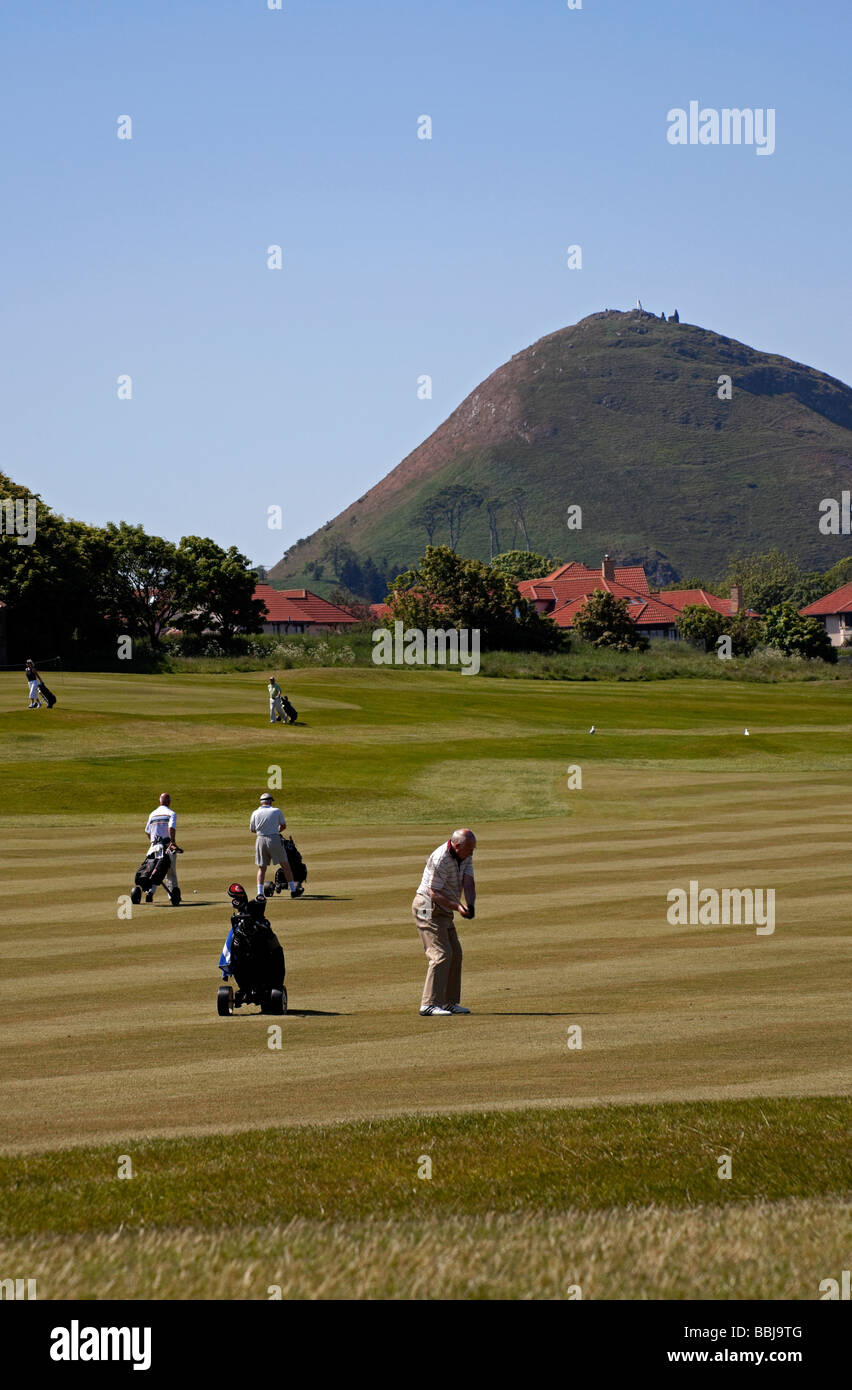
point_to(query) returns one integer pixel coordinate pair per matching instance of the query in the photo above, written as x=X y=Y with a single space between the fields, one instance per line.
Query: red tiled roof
x=645 y=612
x=679 y=598
x=838 y=601
x=380 y=610
x=632 y=576
x=561 y=591
x=299 y=606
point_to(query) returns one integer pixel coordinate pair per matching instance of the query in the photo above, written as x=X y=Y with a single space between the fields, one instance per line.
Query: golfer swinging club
x=448 y=874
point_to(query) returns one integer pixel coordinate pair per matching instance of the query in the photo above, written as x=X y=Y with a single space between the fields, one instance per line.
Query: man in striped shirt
x=447 y=877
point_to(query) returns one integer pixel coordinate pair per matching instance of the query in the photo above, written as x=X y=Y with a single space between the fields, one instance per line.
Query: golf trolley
x=151 y=872
x=297 y=868
x=253 y=956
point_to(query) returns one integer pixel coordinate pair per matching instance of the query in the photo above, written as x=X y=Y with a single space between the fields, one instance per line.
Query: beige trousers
x=443 y=952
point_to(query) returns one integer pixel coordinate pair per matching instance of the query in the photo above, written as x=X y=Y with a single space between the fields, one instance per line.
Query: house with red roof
x=835 y=609
x=562 y=594
x=298 y=611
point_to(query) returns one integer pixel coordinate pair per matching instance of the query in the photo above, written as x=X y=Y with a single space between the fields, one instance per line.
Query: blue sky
x=252 y=127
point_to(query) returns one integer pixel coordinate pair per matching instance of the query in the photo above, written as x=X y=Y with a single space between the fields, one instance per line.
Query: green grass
x=298 y=1167
x=605 y=1202
x=209 y=738
x=528 y=1160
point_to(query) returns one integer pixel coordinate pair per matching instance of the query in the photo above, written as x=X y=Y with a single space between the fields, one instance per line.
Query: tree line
x=78 y=588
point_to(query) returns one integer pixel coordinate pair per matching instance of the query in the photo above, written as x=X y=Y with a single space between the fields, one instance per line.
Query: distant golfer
x=161 y=826
x=266 y=823
x=448 y=874
x=276 y=707
x=33 y=681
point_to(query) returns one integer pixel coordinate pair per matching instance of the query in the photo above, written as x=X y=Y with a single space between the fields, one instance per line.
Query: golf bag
x=153 y=869
x=297 y=866
x=291 y=714
x=48 y=695
x=252 y=953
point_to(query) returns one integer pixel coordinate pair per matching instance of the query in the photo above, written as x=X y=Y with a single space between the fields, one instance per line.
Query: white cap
x=266 y=796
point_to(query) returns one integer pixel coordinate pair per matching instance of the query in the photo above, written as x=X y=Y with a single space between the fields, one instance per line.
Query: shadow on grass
x=533 y=1013
x=254 y=1012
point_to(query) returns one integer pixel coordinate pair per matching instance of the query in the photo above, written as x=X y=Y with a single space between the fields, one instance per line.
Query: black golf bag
x=290 y=714
x=257 y=958
x=48 y=694
x=297 y=866
x=253 y=955
x=152 y=870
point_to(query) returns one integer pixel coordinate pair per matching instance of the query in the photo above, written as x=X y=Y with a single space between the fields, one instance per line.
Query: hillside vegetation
x=620 y=415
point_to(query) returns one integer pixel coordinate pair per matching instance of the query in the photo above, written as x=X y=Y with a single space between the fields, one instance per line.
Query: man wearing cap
x=266 y=823
x=448 y=874
x=161 y=827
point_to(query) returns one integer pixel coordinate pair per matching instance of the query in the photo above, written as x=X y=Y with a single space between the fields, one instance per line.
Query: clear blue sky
x=401 y=256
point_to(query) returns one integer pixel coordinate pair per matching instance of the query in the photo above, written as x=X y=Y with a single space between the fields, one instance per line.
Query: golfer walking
x=161 y=826
x=447 y=876
x=276 y=710
x=266 y=823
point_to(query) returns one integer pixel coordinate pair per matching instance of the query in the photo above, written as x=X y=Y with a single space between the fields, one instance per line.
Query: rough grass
x=756 y=1250
x=607 y=1202
x=516 y=1161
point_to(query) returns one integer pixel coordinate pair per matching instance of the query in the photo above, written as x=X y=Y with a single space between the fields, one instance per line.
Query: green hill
x=619 y=414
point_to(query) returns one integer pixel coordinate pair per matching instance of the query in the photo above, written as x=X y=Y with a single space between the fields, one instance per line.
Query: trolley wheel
x=225 y=1001
x=136 y=894
x=278 y=1001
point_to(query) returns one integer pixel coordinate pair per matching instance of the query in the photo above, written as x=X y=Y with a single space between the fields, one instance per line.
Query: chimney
x=736 y=599
x=608 y=568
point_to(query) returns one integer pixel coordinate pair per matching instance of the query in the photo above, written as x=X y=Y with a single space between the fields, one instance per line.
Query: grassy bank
x=610 y=1202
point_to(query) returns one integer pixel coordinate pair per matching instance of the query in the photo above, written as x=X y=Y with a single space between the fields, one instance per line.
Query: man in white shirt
x=161 y=827
x=448 y=874
x=266 y=823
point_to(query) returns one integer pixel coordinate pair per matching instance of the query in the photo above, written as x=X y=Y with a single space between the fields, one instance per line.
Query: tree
x=772 y=578
x=840 y=573
x=353 y=605
x=523 y=564
x=604 y=621
x=704 y=626
x=454 y=503
x=493 y=505
x=444 y=590
x=373 y=581
x=517 y=503
x=56 y=589
x=787 y=630
x=337 y=553
x=428 y=516
x=149 y=581
x=218 y=589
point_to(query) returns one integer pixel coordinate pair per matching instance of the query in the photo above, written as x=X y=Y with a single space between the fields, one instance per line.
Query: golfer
x=33 y=681
x=448 y=874
x=276 y=708
x=266 y=823
x=161 y=826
